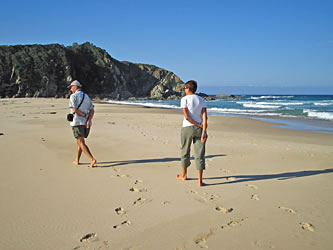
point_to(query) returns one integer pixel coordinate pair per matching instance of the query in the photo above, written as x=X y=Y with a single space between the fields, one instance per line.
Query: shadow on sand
x=280 y=177
x=161 y=160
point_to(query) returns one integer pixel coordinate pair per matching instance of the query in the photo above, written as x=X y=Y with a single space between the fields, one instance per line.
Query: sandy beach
x=266 y=188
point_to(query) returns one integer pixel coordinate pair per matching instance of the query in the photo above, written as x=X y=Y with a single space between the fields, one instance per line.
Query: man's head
x=191 y=85
x=74 y=86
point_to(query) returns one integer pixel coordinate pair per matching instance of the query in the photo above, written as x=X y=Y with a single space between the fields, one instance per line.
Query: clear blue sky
x=227 y=46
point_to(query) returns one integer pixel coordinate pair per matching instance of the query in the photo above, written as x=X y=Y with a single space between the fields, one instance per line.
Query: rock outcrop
x=47 y=70
x=224 y=96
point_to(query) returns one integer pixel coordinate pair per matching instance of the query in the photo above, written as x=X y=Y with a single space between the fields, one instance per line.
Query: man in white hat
x=83 y=112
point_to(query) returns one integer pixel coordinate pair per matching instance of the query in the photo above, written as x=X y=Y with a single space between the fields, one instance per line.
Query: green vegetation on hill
x=47 y=70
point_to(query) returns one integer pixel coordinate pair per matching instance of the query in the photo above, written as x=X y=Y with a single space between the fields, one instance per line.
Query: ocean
x=301 y=112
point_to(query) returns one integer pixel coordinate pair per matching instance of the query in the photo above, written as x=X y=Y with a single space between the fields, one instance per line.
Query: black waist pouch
x=70 y=117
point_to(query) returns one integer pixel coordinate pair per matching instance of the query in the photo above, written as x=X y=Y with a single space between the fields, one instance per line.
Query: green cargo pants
x=188 y=135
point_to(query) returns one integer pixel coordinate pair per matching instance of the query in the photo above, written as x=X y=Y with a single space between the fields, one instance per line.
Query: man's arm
x=90 y=116
x=80 y=113
x=204 y=124
x=187 y=117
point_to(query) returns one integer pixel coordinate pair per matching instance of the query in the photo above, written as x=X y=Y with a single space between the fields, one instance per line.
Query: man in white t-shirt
x=83 y=112
x=194 y=130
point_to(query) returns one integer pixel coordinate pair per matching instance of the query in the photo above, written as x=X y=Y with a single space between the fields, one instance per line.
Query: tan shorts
x=80 y=131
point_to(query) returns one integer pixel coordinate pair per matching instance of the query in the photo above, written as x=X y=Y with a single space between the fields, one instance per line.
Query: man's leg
x=186 y=140
x=200 y=172
x=199 y=154
x=183 y=176
x=85 y=149
x=78 y=155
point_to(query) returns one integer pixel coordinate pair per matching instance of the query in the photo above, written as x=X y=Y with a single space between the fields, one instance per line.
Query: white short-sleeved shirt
x=74 y=102
x=194 y=105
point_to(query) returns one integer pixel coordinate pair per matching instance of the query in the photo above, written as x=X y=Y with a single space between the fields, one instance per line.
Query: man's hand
x=88 y=123
x=204 y=137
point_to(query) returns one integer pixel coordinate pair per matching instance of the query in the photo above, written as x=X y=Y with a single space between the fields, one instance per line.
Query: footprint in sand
x=137 y=190
x=233 y=223
x=120 y=211
x=289 y=210
x=213 y=197
x=307 y=226
x=123 y=176
x=137 y=182
x=143 y=133
x=210 y=197
x=139 y=201
x=116 y=170
x=263 y=244
x=204 y=196
x=88 y=237
x=201 y=239
x=254 y=197
x=223 y=209
x=199 y=199
x=226 y=171
x=126 y=222
x=193 y=192
x=252 y=186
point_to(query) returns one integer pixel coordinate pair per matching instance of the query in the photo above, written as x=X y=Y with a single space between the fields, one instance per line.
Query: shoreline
x=293 y=123
x=300 y=123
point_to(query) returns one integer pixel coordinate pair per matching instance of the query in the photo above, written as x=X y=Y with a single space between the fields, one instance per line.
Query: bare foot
x=200 y=184
x=76 y=163
x=182 y=178
x=92 y=163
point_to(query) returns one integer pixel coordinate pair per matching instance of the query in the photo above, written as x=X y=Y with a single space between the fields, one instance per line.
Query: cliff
x=47 y=70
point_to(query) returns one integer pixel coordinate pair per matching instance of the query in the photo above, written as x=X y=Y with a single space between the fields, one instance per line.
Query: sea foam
x=320 y=115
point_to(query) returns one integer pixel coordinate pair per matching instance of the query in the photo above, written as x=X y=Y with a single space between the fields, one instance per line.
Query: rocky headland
x=47 y=70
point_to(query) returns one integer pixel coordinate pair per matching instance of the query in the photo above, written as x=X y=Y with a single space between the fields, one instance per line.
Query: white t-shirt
x=74 y=102
x=194 y=105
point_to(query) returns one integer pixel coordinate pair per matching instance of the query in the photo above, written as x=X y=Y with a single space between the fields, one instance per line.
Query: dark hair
x=192 y=85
